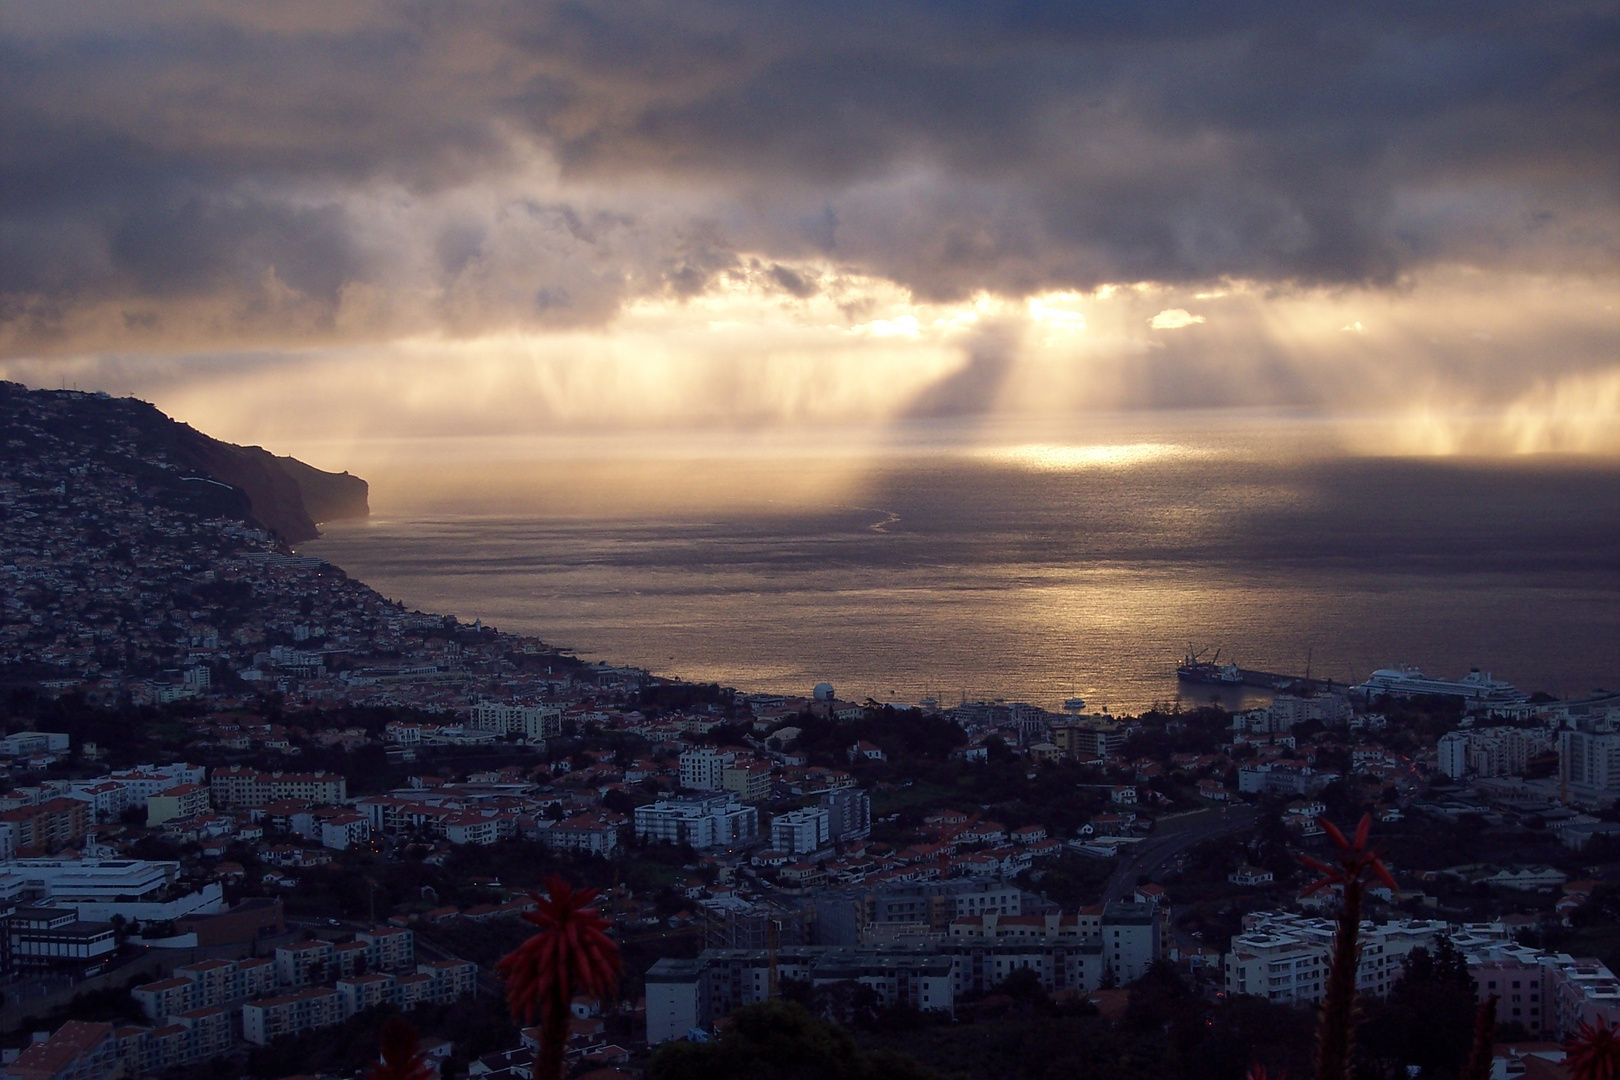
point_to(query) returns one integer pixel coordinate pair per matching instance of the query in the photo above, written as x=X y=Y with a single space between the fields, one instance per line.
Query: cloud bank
x=187 y=178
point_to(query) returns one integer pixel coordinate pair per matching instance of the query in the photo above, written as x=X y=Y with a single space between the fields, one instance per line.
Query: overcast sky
x=464 y=215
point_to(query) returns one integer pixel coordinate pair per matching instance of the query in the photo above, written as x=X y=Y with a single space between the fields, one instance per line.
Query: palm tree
x=1336 y=1033
x=1593 y=1052
x=401 y=1058
x=570 y=953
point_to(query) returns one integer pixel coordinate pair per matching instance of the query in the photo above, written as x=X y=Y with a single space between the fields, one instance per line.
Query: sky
x=290 y=221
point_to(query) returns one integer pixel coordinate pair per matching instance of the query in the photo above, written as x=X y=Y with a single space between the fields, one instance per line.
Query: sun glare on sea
x=1055 y=457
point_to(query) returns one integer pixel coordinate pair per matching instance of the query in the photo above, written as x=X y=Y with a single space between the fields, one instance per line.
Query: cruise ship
x=1476 y=686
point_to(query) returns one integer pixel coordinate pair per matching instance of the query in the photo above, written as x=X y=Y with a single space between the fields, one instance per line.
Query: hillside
x=284 y=495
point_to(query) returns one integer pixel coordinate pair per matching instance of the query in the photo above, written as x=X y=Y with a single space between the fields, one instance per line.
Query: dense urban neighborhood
x=250 y=806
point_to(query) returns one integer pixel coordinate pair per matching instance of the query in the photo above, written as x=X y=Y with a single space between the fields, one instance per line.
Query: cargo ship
x=1194 y=668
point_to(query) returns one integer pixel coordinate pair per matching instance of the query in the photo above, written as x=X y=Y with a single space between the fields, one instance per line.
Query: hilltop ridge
x=284 y=495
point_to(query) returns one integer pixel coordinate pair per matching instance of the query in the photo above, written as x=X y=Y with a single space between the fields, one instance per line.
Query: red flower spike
x=401 y=1060
x=1258 y=1072
x=1593 y=1052
x=1356 y=862
x=570 y=953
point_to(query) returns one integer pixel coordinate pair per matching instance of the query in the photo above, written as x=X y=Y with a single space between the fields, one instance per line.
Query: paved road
x=1171 y=838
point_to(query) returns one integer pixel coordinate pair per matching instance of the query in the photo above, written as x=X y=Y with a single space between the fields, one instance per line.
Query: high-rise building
x=849 y=813
x=703 y=768
x=1589 y=762
x=800 y=832
x=1453 y=754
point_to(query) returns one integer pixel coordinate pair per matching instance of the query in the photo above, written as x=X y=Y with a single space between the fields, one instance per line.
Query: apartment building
x=751 y=780
x=849 y=814
x=936 y=904
x=185 y=1039
x=268 y=1019
x=584 y=834
x=362 y=992
x=1589 y=762
x=1087 y=738
x=29 y=743
x=393 y=948
x=312 y=1007
x=800 y=832
x=1131 y=939
x=206 y=984
x=452 y=979
x=79 y=1050
x=1271 y=778
x=49 y=825
x=703 y=768
x=536 y=723
x=1489 y=752
x=181 y=801
x=686 y=995
x=1062 y=950
x=702 y=821
x=107 y=800
x=304 y=963
x=1550 y=993
x=472 y=829
x=238 y=785
x=1285 y=957
x=144 y=781
x=1281 y=967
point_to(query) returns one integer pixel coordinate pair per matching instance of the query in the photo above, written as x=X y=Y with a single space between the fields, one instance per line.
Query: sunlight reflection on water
x=1021 y=567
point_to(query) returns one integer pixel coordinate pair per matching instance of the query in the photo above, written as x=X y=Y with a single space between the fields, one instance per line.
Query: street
x=1173 y=837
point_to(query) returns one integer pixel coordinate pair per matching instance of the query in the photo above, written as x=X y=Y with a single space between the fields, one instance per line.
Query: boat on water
x=1193 y=668
x=1074 y=704
x=1476 y=686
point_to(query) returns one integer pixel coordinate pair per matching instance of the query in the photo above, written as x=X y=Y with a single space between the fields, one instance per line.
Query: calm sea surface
x=1031 y=571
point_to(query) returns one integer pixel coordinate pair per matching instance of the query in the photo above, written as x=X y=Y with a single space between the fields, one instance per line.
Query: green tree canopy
x=780 y=1040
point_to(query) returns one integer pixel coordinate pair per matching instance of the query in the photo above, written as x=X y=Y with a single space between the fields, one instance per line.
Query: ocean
x=953 y=562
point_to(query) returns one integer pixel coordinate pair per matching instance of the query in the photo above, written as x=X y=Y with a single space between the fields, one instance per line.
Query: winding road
x=1173 y=837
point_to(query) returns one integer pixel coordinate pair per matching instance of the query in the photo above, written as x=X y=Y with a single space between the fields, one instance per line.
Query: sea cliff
x=284 y=495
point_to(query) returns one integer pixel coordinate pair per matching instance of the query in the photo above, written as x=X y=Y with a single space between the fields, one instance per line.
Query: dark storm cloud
x=196 y=151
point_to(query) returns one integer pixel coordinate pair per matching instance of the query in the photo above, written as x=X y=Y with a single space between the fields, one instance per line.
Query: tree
x=1430 y=1016
x=779 y=1040
x=570 y=953
x=401 y=1059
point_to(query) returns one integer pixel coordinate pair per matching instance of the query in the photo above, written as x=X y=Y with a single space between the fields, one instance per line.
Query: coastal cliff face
x=283 y=494
x=327 y=496
x=287 y=496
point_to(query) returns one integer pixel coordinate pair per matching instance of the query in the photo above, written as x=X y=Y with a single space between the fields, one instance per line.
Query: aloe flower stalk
x=1593 y=1052
x=1479 y=1061
x=1355 y=862
x=569 y=954
x=401 y=1058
